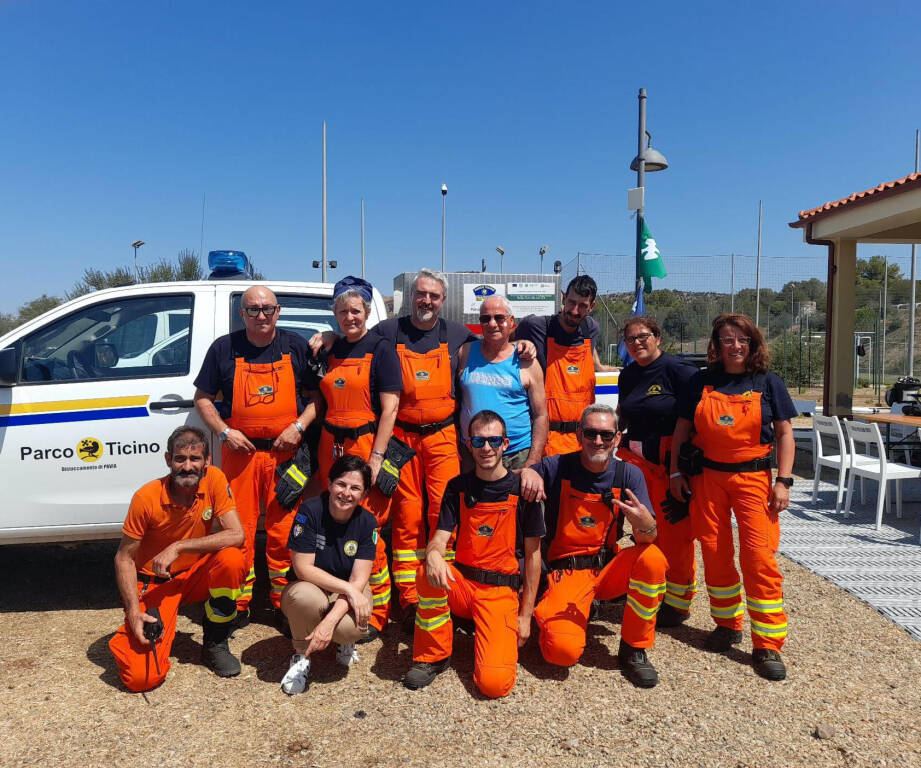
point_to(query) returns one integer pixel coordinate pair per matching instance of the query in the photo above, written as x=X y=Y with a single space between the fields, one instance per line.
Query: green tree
x=872 y=271
x=37 y=307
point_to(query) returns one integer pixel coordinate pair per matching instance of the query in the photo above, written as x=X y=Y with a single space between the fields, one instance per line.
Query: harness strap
x=490 y=578
x=349 y=433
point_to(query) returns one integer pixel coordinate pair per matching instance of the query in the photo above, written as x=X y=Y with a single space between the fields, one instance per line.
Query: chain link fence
x=791 y=309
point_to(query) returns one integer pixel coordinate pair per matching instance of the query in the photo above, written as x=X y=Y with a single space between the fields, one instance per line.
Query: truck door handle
x=162 y=405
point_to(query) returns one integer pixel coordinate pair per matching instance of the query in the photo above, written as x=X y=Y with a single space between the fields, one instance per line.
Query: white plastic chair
x=831 y=426
x=900 y=432
x=874 y=467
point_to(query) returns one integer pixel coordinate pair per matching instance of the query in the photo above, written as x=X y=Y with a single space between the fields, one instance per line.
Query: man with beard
x=566 y=350
x=589 y=492
x=169 y=555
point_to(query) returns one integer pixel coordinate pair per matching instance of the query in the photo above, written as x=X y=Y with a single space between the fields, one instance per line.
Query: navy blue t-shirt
x=554 y=469
x=217 y=370
x=776 y=403
x=648 y=397
x=336 y=545
x=530 y=517
x=386 y=375
x=402 y=331
x=534 y=329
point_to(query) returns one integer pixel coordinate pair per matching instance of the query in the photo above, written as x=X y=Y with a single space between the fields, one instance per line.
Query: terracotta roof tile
x=884 y=189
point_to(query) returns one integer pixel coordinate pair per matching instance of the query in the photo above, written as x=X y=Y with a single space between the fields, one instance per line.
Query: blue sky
x=118 y=117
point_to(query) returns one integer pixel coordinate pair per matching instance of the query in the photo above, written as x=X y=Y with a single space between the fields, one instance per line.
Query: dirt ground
x=851 y=697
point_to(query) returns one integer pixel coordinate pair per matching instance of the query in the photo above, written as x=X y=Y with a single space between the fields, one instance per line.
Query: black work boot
x=768 y=664
x=422 y=673
x=636 y=666
x=241 y=621
x=722 y=639
x=669 y=616
x=215 y=653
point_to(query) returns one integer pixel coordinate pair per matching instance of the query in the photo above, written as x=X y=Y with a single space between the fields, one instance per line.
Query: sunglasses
x=484 y=319
x=495 y=441
x=268 y=310
x=607 y=435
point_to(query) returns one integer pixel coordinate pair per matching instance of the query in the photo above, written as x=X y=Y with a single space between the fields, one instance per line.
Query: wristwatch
x=787 y=481
x=223 y=435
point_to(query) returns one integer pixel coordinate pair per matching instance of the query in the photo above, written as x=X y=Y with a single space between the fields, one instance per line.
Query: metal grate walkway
x=881 y=568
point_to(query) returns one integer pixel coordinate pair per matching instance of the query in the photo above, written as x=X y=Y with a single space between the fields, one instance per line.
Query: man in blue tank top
x=493 y=377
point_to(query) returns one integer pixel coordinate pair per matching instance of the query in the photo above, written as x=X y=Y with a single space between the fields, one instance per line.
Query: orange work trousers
x=215 y=578
x=562 y=613
x=417 y=502
x=494 y=611
x=377 y=504
x=676 y=540
x=561 y=442
x=252 y=481
x=715 y=496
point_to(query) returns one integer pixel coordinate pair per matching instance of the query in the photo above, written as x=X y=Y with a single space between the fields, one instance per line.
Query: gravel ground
x=851 y=697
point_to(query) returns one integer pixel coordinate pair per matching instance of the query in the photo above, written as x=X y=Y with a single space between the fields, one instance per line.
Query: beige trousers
x=305 y=605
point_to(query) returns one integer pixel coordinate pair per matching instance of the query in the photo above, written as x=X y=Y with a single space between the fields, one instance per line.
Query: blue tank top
x=496 y=387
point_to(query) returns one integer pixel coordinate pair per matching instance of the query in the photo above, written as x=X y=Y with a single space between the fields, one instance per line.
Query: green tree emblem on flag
x=651 y=265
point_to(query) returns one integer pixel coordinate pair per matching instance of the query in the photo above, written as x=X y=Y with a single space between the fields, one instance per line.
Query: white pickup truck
x=90 y=391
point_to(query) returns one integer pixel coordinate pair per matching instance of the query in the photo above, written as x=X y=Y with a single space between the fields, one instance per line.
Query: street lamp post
x=543 y=250
x=647 y=159
x=136 y=244
x=501 y=253
x=444 y=211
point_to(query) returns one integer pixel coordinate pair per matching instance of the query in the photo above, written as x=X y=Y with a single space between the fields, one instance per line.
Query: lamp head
x=655 y=161
x=137 y=243
x=444 y=189
x=500 y=251
x=544 y=249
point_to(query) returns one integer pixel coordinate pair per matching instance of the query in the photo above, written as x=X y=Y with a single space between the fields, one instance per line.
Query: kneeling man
x=483 y=583
x=588 y=494
x=168 y=555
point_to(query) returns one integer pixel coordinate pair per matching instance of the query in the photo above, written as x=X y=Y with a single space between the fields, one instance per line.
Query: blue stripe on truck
x=66 y=416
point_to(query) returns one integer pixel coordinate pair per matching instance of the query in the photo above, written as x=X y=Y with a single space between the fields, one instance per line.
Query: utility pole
x=362 y=238
x=732 y=283
x=911 y=299
x=323 y=256
x=758 y=273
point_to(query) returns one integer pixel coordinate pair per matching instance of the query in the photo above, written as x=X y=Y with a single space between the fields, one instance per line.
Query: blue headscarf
x=351 y=283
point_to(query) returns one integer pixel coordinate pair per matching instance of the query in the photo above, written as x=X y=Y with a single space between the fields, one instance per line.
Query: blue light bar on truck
x=229 y=265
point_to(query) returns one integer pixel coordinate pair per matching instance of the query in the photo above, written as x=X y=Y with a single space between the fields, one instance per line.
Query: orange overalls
x=586 y=525
x=728 y=430
x=570 y=386
x=676 y=540
x=486 y=535
x=425 y=422
x=214 y=578
x=264 y=405
x=349 y=427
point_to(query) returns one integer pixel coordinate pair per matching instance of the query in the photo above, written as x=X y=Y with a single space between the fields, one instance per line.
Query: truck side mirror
x=9 y=367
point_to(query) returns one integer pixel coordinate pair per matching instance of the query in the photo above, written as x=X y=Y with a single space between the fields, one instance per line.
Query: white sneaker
x=295 y=679
x=346 y=655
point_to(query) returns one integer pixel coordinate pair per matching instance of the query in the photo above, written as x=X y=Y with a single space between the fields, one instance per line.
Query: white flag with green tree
x=651 y=264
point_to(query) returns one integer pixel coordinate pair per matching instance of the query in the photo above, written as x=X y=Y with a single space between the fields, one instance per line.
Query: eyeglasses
x=494 y=441
x=638 y=337
x=268 y=310
x=484 y=319
x=728 y=341
x=606 y=435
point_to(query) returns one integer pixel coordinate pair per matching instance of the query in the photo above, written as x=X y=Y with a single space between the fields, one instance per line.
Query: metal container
x=528 y=293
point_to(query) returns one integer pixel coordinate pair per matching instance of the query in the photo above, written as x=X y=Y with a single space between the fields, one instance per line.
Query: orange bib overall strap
x=426 y=397
x=570 y=387
x=264 y=397
x=728 y=427
x=486 y=534
x=585 y=523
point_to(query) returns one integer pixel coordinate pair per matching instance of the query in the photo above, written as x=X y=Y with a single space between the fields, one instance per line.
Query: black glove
x=675 y=510
x=292 y=477
x=397 y=455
